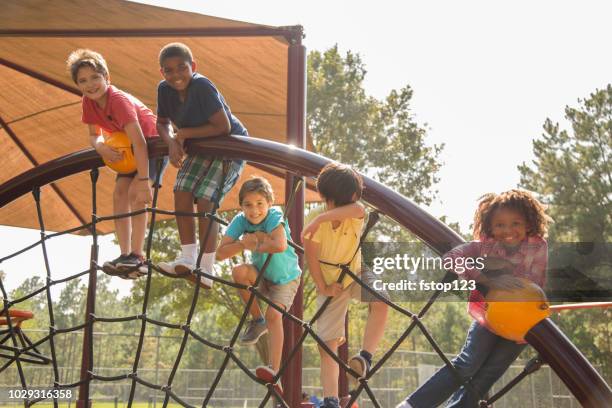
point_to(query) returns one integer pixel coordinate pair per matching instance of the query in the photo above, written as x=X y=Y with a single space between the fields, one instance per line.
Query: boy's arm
x=228 y=247
x=275 y=241
x=175 y=150
x=312 y=250
x=97 y=142
x=143 y=190
x=353 y=210
x=218 y=124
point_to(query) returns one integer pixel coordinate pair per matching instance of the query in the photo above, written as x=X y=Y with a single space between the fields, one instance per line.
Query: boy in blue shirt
x=262 y=230
x=191 y=104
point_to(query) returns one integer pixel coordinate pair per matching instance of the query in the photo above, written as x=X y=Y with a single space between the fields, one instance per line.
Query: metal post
x=87 y=360
x=156 y=365
x=83 y=400
x=296 y=135
x=343 y=353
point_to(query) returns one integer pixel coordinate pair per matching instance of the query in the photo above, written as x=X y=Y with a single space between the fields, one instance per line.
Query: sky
x=485 y=76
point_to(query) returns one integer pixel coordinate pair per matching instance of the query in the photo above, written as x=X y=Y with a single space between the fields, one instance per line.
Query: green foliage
x=380 y=138
x=573 y=173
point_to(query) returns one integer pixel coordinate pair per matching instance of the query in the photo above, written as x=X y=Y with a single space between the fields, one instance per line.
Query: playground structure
x=556 y=350
x=277 y=159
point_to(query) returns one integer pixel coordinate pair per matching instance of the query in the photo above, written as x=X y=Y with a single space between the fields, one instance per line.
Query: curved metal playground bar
x=553 y=347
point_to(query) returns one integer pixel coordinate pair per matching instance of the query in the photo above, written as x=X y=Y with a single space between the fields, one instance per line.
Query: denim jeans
x=484 y=358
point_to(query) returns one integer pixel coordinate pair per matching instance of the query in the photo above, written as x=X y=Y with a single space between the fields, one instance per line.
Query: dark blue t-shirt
x=203 y=100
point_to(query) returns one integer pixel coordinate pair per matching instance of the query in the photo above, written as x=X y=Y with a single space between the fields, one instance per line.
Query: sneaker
x=253 y=332
x=110 y=267
x=330 y=402
x=131 y=266
x=266 y=374
x=181 y=266
x=361 y=366
x=144 y=267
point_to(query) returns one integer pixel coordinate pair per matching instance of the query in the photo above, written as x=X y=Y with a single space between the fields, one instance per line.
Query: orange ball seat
x=512 y=313
x=120 y=141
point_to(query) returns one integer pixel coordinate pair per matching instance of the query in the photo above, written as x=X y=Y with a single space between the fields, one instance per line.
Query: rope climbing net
x=20 y=352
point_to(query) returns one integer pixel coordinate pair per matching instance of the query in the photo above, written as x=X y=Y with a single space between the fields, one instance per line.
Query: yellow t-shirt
x=338 y=245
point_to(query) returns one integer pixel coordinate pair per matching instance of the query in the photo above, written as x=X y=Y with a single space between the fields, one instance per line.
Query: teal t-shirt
x=283 y=267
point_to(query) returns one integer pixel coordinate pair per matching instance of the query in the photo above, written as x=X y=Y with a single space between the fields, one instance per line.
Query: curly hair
x=86 y=58
x=518 y=200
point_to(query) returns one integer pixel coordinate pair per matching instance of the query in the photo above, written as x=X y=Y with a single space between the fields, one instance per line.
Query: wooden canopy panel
x=40 y=106
x=102 y=14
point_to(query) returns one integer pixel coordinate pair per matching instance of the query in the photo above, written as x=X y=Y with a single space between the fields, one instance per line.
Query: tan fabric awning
x=43 y=121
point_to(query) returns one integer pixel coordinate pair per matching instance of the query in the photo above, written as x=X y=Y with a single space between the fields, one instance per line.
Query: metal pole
x=156 y=366
x=87 y=359
x=343 y=353
x=296 y=136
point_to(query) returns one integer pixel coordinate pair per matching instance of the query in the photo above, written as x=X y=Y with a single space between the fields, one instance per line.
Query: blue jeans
x=484 y=358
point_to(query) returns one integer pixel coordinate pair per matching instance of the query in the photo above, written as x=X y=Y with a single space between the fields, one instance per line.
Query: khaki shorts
x=330 y=325
x=280 y=294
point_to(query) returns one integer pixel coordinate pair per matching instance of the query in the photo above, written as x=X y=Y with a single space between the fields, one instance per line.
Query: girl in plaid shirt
x=510 y=228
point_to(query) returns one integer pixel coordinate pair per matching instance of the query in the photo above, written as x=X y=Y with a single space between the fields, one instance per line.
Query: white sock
x=190 y=251
x=207 y=262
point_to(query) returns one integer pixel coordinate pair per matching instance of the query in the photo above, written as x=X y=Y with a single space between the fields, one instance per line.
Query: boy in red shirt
x=108 y=108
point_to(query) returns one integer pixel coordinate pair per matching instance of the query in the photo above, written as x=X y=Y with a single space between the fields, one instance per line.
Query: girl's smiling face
x=508 y=227
x=255 y=207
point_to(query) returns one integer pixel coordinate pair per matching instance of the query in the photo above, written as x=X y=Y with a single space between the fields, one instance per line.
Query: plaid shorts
x=208 y=178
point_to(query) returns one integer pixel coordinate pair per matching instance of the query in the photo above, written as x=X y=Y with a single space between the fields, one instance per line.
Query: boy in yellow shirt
x=332 y=237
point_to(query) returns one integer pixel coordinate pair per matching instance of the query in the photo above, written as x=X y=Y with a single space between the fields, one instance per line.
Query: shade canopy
x=40 y=107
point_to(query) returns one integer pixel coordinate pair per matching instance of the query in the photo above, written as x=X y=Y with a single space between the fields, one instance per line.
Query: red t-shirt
x=121 y=108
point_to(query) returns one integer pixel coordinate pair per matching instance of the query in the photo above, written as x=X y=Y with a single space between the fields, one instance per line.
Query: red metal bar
x=296 y=136
x=570 y=365
x=309 y=183
x=586 y=305
x=290 y=33
x=397 y=207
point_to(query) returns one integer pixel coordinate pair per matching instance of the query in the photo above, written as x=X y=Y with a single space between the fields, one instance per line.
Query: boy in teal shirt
x=262 y=230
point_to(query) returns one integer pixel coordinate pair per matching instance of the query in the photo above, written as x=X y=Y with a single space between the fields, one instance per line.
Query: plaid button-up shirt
x=529 y=260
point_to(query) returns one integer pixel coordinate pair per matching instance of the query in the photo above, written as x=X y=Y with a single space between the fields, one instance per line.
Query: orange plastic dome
x=121 y=142
x=511 y=314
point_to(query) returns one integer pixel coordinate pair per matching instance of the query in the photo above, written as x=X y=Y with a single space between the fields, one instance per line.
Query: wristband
x=143 y=178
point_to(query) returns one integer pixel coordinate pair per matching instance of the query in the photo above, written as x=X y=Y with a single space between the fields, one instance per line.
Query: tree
x=379 y=138
x=573 y=173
